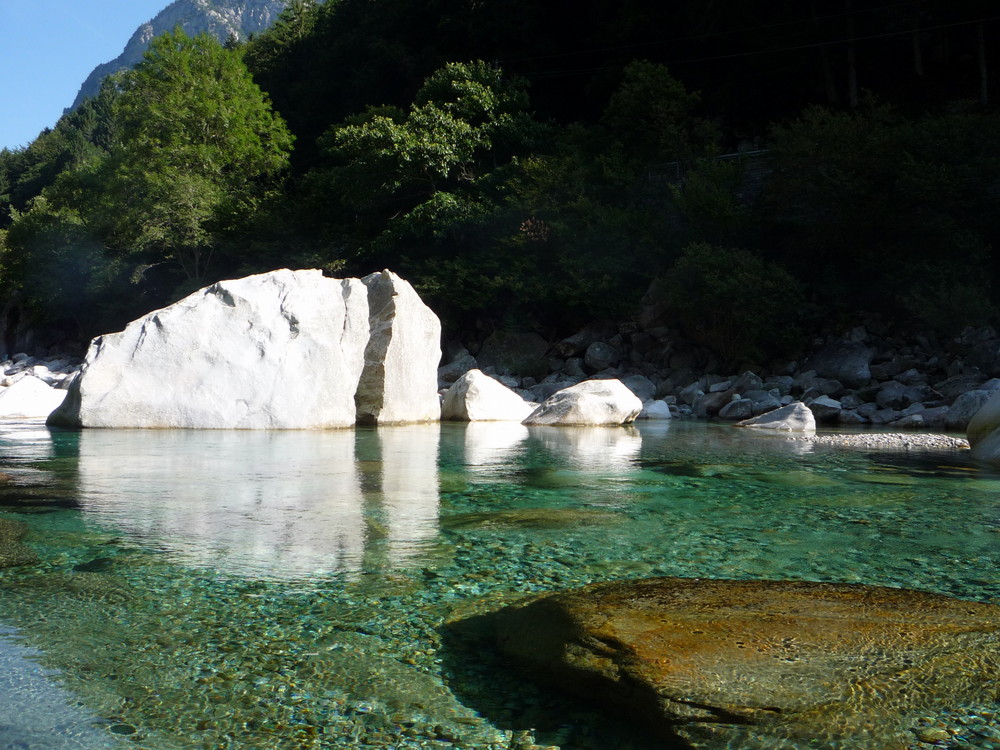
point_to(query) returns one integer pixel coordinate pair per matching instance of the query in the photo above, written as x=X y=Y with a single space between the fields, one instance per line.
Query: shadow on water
x=483 y=681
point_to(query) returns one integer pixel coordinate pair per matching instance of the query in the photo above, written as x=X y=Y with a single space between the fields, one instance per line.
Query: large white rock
x=476 y=397
x=278 y=350
x=795 y=417
x=399 y=382
x=592 y=402
x=29 y=397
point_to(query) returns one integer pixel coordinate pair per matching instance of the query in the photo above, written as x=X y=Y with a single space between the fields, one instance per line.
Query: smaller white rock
x=29 y=397
x=476 y=397
x=795 y=417
x=655 y=410
x=592 y=402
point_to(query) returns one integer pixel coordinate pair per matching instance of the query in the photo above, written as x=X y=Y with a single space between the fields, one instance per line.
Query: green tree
x=734 y=302
x=199 y=149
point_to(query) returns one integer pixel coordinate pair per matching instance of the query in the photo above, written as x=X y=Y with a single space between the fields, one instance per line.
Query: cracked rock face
x=281 y=350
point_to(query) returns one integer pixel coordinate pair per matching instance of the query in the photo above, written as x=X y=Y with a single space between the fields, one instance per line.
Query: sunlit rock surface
x=592 y=402
x=795 y=417
x=281 y=350
x=29 y=397
x=399 y=380
x=751 y=664
x=476 y=397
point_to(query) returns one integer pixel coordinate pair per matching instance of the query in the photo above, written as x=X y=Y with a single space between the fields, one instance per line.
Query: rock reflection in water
x=410 y=495
x=283 y=505
x=601 y=449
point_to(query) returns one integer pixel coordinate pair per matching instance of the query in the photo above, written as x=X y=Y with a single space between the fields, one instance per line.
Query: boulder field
x=743 y=665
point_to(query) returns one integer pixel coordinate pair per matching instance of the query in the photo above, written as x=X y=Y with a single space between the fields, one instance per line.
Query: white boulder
x=29 y=397
x=476 y=397
x=279 y=350
x=795 y=417
x=592 y=402
x=399 y=380
x=655 y=410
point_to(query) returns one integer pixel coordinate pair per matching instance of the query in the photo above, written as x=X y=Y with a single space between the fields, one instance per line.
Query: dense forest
x=765 y=170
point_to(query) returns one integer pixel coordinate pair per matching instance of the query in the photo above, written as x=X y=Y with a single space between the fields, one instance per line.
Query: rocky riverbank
x=865 y=377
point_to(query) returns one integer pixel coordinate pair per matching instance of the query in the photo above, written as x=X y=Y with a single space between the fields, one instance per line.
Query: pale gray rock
x=600 y=356
x=281 y=350
x=399 y=381
x=640 y=385
x=455 y=369
x=592 y=402
x=476 y=397
x=795 y=417
x=964 y=408
x=737 y=409
x=29 y=397
x=655 y=410
x=847 y=362
x=748 y=381
x=896 y=395
x=825 y=409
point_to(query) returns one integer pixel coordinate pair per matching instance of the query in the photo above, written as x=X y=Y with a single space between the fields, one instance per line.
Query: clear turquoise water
x=201 y=589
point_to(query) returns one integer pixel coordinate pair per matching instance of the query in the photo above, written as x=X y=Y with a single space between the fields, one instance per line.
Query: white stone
x=592 y=402
x=476 y=397
x=655 y=410
x=29 y=397
x=278 y=350
x=795 y=417
x=399 y=382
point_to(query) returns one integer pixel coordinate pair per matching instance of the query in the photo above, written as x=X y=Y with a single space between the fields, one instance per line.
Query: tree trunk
x=852 y=63
x=984 y=91
x=918 y=57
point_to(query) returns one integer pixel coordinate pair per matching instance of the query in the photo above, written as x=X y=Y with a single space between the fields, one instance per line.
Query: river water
x=223 y=589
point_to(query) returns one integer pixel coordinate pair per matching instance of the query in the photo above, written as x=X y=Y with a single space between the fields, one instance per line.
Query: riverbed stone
x=794 y=417
x=592 y=402
x=13 y=551
x=744 y=665
x=476 y=397
x=825 y=409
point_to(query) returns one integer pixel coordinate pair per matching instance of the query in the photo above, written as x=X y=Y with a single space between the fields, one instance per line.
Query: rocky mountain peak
x=219 y=18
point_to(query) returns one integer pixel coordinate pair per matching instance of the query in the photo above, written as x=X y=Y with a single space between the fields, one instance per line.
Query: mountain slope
x=219 y=18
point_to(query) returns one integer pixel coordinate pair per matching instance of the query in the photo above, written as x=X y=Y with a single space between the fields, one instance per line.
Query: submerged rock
x=751 y=664
x=13 y=551
x=592 y=402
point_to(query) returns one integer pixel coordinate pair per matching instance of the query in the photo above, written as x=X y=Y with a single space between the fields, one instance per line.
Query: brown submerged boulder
x=753 y=664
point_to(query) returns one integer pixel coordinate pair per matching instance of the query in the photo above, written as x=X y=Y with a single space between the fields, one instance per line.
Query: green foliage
x=734 y=302
x=652 y=116
x=869 y=201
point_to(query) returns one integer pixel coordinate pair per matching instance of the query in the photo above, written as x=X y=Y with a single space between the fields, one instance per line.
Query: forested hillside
x=774 y=167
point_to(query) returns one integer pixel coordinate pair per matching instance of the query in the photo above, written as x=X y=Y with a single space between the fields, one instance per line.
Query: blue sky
x=47 y=49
